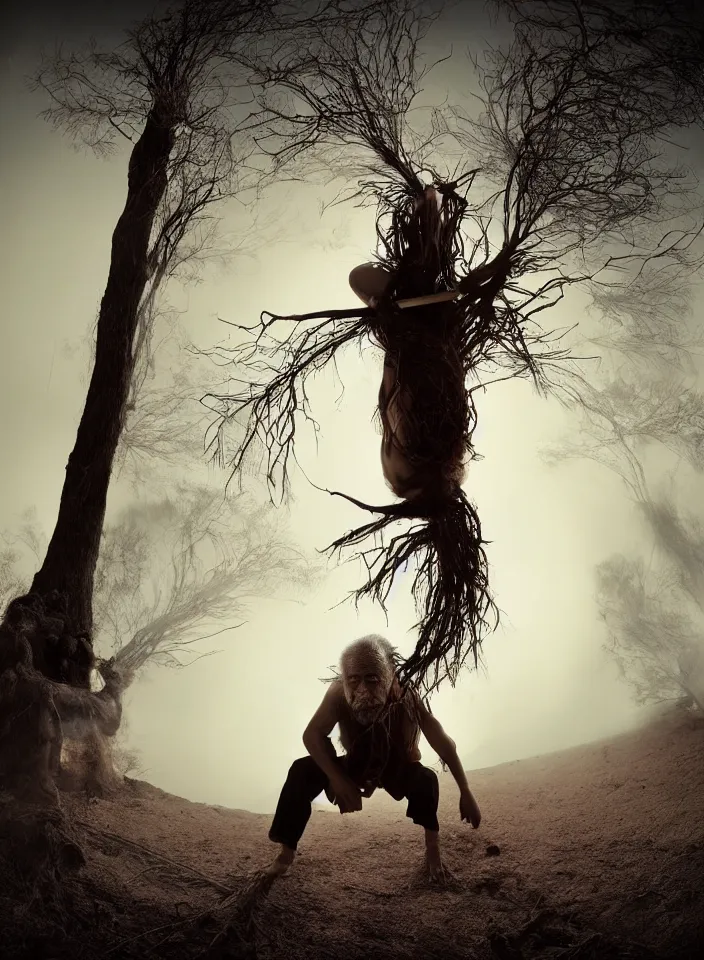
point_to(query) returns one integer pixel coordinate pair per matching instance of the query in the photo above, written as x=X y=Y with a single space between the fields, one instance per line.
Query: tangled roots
x=450 y=585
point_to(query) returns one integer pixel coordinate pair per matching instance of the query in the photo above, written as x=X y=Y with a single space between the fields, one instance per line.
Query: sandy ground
x=600 y=855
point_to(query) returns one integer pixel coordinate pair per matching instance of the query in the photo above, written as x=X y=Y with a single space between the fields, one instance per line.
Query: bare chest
x=404 y=735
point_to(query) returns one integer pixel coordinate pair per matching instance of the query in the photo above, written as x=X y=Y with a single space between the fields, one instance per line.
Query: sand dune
x=601 y=855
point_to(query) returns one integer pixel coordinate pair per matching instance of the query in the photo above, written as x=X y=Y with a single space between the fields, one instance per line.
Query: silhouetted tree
x=170 y=573
x=653 y=636
x=174 y=92
x=173 y=569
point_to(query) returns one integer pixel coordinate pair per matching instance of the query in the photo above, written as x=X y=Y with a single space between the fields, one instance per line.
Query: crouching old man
x=380 y=725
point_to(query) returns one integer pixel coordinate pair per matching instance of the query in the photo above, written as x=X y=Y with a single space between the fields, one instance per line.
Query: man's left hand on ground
x=469 y=809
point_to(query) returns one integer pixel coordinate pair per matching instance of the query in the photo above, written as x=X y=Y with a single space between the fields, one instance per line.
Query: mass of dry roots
x=435 y=350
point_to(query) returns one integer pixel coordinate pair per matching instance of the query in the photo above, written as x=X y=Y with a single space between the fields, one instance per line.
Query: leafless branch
x=170 y=572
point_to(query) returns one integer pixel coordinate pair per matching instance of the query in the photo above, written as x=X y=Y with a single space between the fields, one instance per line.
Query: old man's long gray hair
x=376 y=647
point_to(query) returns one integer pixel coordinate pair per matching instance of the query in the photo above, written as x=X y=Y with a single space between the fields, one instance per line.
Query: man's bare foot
x=281 y=864
x=437 y=871
x=436 y=868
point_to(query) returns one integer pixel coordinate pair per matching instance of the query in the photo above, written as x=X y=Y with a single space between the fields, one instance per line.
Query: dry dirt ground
x=594 y=852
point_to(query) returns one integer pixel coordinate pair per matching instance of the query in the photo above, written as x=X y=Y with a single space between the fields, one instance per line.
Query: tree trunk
x=48 y=633
x=71 y=556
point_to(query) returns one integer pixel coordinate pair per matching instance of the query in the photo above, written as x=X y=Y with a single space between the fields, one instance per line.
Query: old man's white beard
x=366 y=713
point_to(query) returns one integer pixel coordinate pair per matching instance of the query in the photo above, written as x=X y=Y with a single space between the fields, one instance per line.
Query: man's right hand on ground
x=347 y=794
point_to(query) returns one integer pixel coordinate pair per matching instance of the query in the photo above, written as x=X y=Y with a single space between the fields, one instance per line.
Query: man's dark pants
x=305 y=781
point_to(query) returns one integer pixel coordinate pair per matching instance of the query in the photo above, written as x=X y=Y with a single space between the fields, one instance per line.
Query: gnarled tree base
x=87 y=766
x=44 y=691
x=45 y=669
x=37 y=847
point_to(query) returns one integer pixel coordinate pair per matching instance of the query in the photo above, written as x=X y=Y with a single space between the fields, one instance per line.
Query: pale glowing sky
x=226 y=729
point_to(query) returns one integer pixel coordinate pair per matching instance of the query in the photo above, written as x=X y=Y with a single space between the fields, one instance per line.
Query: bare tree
x=173 y=92
x=164 y=419
x=618 y=418
x=646 y=319
x=171 y=573
x=161 y=92
x=654 y=617
x=648 y=401
x=23 y=542
x=649 y=49
x=560 y=183
x=10 y=582
x=655 y=641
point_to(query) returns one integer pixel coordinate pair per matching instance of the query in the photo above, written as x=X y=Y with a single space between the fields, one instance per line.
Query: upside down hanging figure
x=434 y=329
x=427 y=420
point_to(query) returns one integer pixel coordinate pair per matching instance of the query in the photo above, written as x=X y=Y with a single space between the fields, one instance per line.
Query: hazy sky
x=226 y=729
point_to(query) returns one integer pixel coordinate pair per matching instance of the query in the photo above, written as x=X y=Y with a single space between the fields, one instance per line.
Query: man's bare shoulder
x=332 y=703
x=330 y=710
x=337 y=700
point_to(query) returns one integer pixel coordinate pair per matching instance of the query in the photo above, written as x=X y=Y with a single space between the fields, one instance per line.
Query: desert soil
x=594 y=852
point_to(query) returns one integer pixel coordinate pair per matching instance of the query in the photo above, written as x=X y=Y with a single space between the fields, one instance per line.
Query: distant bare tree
x=174 y=567
x=647 y=399
x=560 y=182
x=23 y=542
x=172 y=572
x=647 y=319
x=164 y=419
x=11 y=584
x=619 y=417
x=654 y=639
x=679 y=534
x=655 y=618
